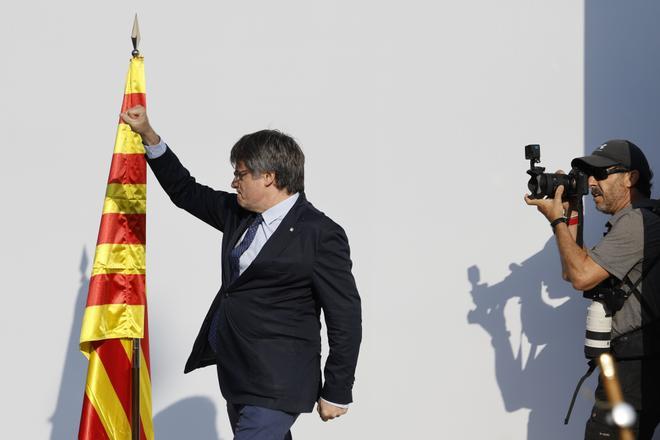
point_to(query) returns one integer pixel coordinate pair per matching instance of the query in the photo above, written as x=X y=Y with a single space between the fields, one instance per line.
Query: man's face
x=610 y=192
x=250 y=189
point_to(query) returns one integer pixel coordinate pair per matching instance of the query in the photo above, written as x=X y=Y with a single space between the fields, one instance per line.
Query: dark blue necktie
x=235 y=254
x=234 y=272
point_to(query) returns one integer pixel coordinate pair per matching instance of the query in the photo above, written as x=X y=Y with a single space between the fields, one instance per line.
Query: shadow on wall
x=622 y=86
x=538 y=368
x=622 y=101
x=193 y=417
x=622 y=67
x=66 y=417
x=622 y=90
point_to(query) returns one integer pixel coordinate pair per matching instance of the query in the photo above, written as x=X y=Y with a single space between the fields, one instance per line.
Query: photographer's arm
x=577 y=266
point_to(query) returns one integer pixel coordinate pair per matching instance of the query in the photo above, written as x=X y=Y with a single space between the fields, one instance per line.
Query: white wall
x=412 y=116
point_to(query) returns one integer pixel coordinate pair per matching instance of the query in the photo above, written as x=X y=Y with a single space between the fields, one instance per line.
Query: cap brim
x=588 y=163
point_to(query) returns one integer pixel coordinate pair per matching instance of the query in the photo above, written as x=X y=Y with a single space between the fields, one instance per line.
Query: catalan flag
x=116 y=310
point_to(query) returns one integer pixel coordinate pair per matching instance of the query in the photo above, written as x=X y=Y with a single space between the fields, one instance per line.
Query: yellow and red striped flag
x=116 y=310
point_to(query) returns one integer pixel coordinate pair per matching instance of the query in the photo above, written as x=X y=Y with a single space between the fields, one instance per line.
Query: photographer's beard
x=610 y=199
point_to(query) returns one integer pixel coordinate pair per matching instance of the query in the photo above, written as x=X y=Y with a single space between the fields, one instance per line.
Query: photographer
x=620 y=274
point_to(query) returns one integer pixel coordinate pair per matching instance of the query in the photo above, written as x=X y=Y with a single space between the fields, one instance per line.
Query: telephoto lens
x=599 y=330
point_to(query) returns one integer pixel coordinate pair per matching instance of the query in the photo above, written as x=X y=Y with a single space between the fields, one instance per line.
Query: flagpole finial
x=135 y=37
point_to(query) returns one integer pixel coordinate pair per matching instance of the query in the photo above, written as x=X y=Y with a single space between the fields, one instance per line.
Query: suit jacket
x=269 y=327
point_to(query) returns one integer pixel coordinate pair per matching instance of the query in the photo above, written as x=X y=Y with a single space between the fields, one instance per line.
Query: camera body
x=542 y=184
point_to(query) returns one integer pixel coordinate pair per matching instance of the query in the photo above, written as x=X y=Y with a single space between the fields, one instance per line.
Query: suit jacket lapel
x=280 y=239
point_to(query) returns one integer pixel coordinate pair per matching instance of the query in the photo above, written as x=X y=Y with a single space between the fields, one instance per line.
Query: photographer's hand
x=578 y=267
x=553 y=208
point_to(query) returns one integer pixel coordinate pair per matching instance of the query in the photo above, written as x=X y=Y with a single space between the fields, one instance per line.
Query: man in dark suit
x=282 y=262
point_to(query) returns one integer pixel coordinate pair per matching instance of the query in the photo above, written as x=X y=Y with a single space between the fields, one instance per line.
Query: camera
x=543 y=184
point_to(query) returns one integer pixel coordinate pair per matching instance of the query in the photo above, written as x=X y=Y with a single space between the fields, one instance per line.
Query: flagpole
x=135 y=379
x=135 y=369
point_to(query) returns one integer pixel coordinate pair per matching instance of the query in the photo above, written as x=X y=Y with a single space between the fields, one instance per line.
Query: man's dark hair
x=272 y=151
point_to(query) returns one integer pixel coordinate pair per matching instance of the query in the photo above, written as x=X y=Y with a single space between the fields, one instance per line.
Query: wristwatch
x=556 y=221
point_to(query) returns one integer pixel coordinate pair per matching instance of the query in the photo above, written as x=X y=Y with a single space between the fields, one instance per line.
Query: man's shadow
x=540 y=372
x=66 y=417
x=192 y=417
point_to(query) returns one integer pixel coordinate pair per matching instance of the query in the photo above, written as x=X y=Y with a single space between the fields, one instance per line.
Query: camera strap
x=579 y=239
x=590 y=370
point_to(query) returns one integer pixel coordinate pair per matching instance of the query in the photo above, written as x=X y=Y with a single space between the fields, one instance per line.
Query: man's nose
x=592 y=181
x=234 y=183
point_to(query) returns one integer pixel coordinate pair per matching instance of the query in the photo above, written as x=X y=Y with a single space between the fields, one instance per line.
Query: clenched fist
x=328 y=411
x=136 y=118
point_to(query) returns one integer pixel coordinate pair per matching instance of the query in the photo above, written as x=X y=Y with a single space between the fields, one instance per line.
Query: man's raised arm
x=205 y=203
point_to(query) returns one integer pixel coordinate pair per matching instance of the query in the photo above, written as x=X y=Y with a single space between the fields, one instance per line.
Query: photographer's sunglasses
x=601 y=174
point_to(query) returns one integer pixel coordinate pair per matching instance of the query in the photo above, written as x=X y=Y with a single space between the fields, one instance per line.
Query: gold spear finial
x=135 y=37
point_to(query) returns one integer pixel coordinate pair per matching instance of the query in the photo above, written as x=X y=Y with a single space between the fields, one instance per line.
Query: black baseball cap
x=615 y=152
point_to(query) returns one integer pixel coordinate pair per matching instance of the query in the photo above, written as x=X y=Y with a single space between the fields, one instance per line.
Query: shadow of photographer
x=537 y=368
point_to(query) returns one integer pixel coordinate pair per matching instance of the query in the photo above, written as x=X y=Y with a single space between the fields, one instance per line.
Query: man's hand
x=571 y=204
x=136 y=118
x=552 y=209
x=327 y=411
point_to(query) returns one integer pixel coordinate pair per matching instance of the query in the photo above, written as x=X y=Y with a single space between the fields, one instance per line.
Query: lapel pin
x=291 y=230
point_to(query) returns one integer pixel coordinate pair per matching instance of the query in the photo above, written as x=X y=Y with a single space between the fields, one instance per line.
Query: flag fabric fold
x=116 y=310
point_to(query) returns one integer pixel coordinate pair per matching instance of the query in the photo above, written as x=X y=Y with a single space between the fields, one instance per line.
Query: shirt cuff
x=155 y=151
x=340 y=405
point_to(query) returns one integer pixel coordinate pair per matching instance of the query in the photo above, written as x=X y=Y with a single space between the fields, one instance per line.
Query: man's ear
x=269 y=178
x=633 y=177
